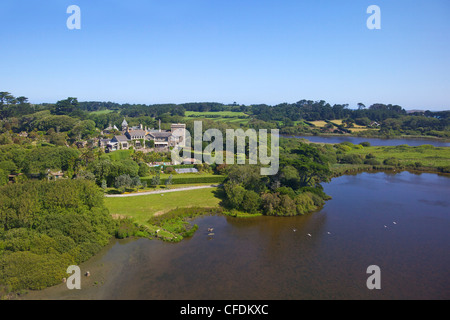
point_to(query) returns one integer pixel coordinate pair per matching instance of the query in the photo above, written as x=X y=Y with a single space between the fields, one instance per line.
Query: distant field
x=428 y=156
x=319 y=124
x=356 y=128
x=222 y=116
x=101 y=112
x=141 y=208
x=217 y=113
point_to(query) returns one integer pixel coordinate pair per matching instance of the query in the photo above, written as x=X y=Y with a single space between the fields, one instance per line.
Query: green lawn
x=120 y=155
x=141 y=208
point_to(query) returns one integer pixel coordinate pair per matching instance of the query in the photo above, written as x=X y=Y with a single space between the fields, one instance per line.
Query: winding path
x=160 y=191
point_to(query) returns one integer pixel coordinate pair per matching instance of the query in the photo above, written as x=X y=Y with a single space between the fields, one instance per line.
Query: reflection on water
x=374 y=141
x=399 y=222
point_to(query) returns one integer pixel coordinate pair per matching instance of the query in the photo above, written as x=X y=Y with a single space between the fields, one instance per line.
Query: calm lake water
x=274 y=258
x=373 y=141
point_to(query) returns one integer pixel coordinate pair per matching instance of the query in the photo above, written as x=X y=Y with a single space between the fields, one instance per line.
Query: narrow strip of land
x=160 y=191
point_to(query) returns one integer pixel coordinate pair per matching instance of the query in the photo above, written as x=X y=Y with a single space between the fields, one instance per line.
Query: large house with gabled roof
x=136 y=136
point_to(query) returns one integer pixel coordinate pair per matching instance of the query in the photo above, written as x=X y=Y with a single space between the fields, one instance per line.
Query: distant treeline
x=194 y=106
x=17 y=114
x=308 y=110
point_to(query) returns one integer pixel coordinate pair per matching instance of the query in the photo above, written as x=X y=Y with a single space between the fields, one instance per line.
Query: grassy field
x=142 y=208
x=322 y=124
x=222 y=116
x=426 y=155
x=120 y=155
x=319 y=124
x=101 y=112
x=217 y=113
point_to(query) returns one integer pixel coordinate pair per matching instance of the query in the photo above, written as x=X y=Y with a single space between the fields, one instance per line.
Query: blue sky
x=248 y=51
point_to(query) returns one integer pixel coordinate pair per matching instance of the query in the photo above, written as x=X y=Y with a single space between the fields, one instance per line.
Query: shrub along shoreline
x=46 y=227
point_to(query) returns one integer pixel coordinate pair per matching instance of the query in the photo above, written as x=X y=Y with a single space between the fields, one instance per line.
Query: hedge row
x=189 y=180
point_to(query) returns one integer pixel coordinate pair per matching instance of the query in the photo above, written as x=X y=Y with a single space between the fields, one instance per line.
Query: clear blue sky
x=248 y=51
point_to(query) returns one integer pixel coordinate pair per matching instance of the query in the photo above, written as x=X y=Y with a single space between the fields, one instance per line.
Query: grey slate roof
x=121 y=138
x=160 y=134
x=134 y=133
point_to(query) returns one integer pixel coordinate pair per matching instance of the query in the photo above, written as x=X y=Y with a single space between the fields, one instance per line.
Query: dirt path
x=160 y=191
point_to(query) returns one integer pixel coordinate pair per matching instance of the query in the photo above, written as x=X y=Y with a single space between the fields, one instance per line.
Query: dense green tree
x=168 y=181
x=66 y=107
x=83 y=129
x=248 y=176
x=3 y=177
x=251 y=201
x=144 y=170
x=290 y=176
x=61 y=123
x=156 y=180
x=39 y=160
x=123 y=180
x=235 y=194
x=270 y=203
x=310 y=164
x=101 y=168
x=8 y=166
x=136 y=182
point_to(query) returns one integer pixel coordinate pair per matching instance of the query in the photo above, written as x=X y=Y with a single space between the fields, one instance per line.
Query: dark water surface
x=274 y=258
x=373 y=141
